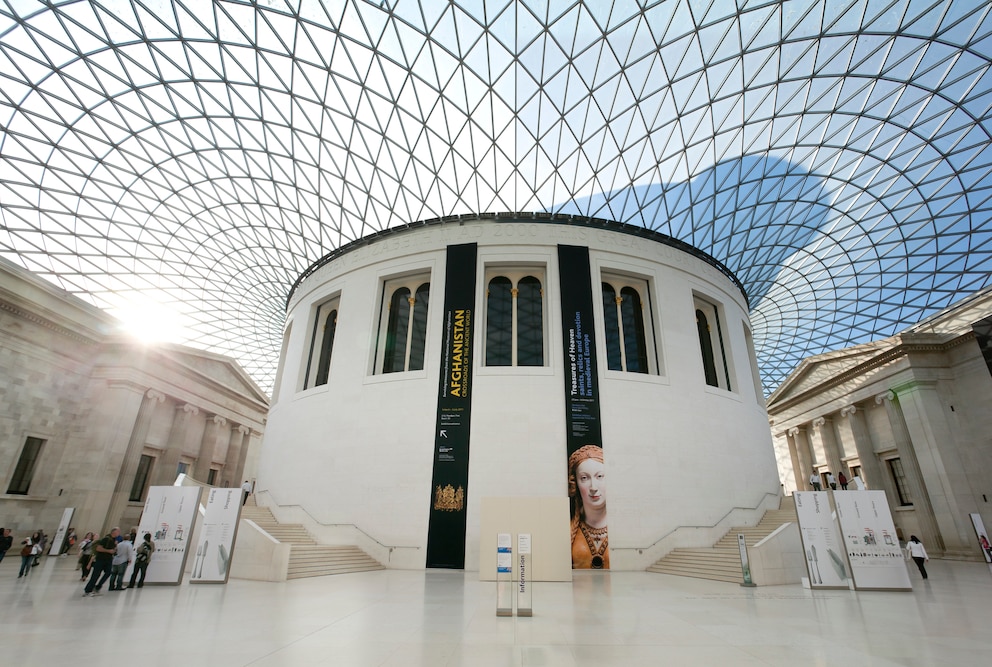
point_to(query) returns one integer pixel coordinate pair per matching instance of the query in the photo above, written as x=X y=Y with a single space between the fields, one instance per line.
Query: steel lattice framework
x=835 y=155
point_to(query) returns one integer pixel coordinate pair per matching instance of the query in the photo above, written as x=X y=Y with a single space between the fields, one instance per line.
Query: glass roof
x=194 y=159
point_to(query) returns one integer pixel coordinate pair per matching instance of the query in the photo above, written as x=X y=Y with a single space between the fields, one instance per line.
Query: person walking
x=842 y=480
x=831 y=481
x=122 y=558
x=246 y=491
x=918 y=553
x=29 y=551
x=814 y=481
x=103 y=560
x=86 y=555
x=141 y=560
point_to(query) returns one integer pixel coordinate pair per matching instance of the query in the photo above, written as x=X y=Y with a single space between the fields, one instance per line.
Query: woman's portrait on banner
x=587 y=498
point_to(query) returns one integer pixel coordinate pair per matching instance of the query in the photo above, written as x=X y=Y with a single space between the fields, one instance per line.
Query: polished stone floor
x=440 y=618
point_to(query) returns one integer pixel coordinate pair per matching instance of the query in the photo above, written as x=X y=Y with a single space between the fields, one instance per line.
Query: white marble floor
x=440 y=618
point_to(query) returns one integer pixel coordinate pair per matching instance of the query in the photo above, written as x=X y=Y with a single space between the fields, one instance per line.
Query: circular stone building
x=590 y=384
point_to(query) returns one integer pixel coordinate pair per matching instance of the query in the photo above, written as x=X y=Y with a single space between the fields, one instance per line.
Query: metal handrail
x=677 y=528
x=336 y=525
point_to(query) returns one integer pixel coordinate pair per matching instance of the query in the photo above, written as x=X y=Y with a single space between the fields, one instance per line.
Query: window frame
x=642 y=285
x=140 y=495
x=515 y=273
x=27 y=465
x=321 y=350
x=900 y=483
x=720 y=356
x=415 y=350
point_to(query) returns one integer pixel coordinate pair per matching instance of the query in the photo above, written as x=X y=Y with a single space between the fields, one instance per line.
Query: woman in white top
x=918 y=553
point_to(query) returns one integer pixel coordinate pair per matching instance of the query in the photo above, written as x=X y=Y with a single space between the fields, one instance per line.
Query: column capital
x=794 y=431
x=189 y=408
x=220 y=421
x=155 y=396
x=848 y=411
x=244 y=430
x=885 y=396
x=819 y=422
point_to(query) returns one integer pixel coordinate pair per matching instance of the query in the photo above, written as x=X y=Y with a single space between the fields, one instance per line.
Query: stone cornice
x=902 y=349
x=46 y=323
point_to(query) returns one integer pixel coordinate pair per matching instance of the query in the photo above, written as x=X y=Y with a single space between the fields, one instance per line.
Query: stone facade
x=910 y=414
x=94 y=402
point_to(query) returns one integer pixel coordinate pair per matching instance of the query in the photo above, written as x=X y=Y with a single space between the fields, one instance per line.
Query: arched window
x=515 y=318
x=628 y=333
x=403 y=336
x=396 y=331
x=321 y=344
x=499 y=322
x=706 y=346
x=716 y=370
x=330 y=326
x=530 y=322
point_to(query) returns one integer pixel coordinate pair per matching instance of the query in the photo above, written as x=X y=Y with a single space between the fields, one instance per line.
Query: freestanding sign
x=60 y=533
x=504 y=574
x=822 y=548
x=877 y=561
x=745 y=564
x=169 y=515
x=982 y=535
x=212 y=564
x=524 y=605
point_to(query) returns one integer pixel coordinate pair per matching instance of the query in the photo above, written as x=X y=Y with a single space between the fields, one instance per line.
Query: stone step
x=721 y=562
x=319 y=561
x=306 y=557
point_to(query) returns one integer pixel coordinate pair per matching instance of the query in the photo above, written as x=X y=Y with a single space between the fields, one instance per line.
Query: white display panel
x=983 y=537
x=168 y=515
x=822 y=546
x=212 y=562
x=877 y=560
x=59 y=537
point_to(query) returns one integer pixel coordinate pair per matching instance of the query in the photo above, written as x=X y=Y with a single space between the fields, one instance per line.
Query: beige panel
x=545 y=518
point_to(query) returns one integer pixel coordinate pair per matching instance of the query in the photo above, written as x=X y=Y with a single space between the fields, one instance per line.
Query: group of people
x=109 y=558
x=99 y=559
x=832 y=482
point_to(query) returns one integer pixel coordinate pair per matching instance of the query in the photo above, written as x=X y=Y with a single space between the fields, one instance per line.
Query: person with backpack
x=141 y=560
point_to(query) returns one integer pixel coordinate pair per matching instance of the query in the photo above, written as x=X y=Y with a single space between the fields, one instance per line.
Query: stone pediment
x=209 y=366
x=816 y=370
x=218 y=368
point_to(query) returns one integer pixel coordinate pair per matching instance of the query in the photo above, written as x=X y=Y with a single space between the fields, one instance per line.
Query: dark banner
x=584 y=434
x=449 y=489
x=581 y=390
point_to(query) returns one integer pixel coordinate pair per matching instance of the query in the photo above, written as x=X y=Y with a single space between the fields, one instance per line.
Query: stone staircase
x=722 y=561
x=306 y=557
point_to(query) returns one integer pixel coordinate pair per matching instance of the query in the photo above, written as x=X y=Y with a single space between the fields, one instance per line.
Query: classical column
x=215 y=436
x=800 y=437
x=923 y=511
x=233 y=463
x=871 y=472
x=824 y=430
x=182 y=427
x=129 y=464
x=933 y=443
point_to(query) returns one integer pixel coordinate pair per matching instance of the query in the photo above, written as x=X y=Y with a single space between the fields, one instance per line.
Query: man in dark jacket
x=103 y=560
